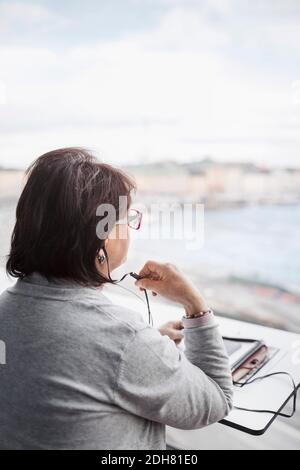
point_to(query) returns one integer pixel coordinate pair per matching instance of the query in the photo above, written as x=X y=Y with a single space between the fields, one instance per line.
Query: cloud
x=23 y=15
x=16 y=11
x=181 y=90
x=186 y=28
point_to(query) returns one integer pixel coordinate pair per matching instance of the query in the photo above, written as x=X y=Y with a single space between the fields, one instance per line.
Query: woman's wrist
x=195 y=306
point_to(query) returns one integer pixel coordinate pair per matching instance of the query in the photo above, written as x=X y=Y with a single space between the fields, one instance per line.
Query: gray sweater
x=83 y=373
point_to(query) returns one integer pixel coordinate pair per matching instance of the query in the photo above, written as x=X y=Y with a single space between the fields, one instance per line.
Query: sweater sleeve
x=187 y=390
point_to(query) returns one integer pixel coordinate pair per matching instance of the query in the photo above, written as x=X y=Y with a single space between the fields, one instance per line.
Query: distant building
x=219 y=183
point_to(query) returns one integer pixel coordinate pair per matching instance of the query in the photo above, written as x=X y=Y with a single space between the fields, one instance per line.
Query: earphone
x=101 y=259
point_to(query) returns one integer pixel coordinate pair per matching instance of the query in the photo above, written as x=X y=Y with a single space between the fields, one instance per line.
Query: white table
x=270 y=394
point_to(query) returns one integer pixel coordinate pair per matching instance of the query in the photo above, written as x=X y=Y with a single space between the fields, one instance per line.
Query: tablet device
x=239 y=350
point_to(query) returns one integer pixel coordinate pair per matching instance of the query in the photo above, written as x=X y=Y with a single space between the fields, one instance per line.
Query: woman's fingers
x=152 y=275
x=176 y=336
x=177 y=325
x=167 y=281
x=151 y=270
x=146 y=283
x=153 y=293
x=173 y=330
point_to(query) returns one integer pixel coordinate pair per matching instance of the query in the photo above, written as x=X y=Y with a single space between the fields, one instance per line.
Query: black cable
x=275 y=413
x=135 y=276
x=132 y=292
x=240 y=340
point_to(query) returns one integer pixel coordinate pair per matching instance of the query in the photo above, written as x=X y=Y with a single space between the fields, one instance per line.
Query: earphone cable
x=116 y=282
x=275 y=413
x=150 y=318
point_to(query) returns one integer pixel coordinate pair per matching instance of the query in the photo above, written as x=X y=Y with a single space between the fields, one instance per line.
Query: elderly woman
x=81 y=372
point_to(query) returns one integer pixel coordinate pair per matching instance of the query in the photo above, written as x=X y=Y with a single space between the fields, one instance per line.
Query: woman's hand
x=173 y=330
x=167 y=281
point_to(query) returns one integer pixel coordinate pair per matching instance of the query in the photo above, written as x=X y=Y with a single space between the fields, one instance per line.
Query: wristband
x=198 y=314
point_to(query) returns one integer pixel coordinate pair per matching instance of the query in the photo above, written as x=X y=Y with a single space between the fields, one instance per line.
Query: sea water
x=256 y=244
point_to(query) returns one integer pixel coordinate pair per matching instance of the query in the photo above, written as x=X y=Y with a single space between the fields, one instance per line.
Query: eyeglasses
x=133 y=219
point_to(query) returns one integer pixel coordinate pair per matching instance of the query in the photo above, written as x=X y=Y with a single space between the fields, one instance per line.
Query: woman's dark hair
x=55 y=230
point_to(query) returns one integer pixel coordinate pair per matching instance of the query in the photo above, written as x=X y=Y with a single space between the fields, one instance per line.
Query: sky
x=147 y=80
